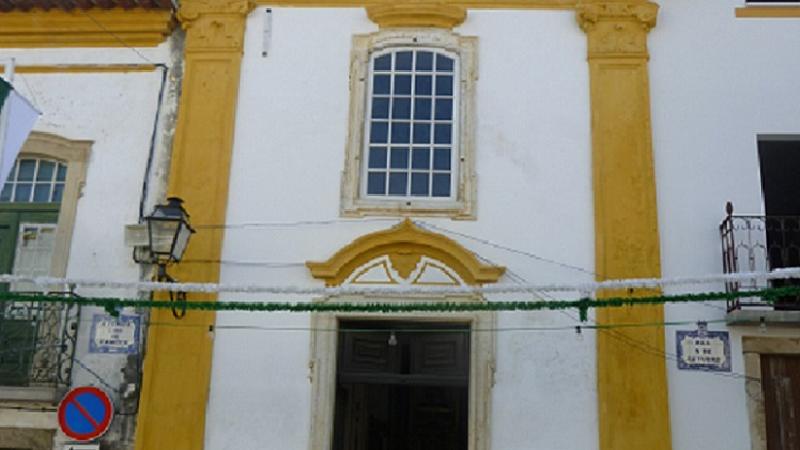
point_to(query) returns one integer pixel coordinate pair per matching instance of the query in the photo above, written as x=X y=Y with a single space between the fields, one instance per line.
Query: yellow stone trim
x=631 y=384
x=768 y=11
x=420 y=15
x=177 y=368
x=78 y=28
x=405 y=244
x=468 y=4
x=82 y=68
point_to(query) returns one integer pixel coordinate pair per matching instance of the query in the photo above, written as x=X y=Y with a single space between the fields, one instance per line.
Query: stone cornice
x=95 y=28
x=438 y=15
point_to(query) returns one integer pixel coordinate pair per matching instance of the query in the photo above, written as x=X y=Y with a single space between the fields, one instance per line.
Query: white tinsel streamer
x=635 y=283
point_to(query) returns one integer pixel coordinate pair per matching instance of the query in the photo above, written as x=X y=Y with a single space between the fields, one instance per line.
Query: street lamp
x=168 y=230
x=168 y=233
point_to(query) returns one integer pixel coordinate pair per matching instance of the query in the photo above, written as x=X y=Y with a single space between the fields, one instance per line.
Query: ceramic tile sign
x=703 y=350
x=115 y=334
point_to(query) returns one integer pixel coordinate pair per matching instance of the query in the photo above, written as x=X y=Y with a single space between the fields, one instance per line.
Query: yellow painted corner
x=177 y=369
x=633 y=403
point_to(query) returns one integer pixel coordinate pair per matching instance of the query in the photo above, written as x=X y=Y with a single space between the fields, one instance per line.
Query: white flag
x=17 y=117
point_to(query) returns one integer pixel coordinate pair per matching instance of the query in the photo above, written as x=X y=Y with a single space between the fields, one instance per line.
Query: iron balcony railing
x=37 y=343
x=757 y=244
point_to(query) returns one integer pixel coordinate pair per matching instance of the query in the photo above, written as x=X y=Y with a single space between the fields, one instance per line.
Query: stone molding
x=214 y=25
x=436 y=15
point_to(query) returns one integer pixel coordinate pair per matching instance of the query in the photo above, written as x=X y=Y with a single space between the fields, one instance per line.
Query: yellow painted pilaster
x=178 y=362
x=632 y=382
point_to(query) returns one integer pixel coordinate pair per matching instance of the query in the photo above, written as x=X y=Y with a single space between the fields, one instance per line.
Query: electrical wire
x=153 y=137
x=116 y=36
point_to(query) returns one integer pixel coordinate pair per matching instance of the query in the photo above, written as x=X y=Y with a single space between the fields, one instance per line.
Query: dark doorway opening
x=402 y=386
x=780 y=183
x=780 y=381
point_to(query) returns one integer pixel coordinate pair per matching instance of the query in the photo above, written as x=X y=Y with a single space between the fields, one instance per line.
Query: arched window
x=411 y=135
x=411 y=126
x=35 y=180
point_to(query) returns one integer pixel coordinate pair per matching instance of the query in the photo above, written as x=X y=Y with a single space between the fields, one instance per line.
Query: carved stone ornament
x=405 y=245
x=417 y=14
x=617 y=28
x=214 y=24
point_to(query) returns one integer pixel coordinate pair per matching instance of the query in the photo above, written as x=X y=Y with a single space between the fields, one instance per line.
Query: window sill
x=31 y=394
x=771 y=317
x=768 y=11
x=400 y=208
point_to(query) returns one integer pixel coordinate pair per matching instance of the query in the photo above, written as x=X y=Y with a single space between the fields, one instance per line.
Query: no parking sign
x=85 y=413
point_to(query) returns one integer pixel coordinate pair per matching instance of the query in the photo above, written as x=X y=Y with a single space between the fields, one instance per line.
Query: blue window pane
x=62 y=172
x=441 y=185
x=402 y=85
x=444 y=109
x=423 y=85
x=58 y=191
x=380 y=108
x=419 y=184
x=398 y=183
x=23 y=192
x=26 y=169
x=422 y=133
x=376 y=183
x=380 y=84
x=422 y=108
x=443 y=63
x=41 y=193
x=403 y=61
x=399 y=158
x=442 y=133
x=6 y=194
x=379 y=132
x=424 y=61
x=401 y=133
x=377 y=157
x=421 y=158
x=46 y=169
x=401 y=108
x=444 y=85
x=441 y=159
x=383 y=63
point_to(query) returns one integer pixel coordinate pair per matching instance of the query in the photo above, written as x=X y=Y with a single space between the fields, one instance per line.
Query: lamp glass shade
x=169 y=231
x=162 y=235
x=181 y=241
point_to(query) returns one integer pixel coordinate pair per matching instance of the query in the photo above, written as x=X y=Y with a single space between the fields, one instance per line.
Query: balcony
x=758 y=244
x=37 y=345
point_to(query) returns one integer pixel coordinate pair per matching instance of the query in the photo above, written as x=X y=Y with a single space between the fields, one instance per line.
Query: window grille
x=411 y=127
x=35 y=180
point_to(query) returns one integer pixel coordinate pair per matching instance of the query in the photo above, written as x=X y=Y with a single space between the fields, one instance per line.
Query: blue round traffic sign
x=85 y=413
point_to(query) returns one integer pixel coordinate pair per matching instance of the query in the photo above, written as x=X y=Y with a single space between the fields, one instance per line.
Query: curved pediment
x=407 y=252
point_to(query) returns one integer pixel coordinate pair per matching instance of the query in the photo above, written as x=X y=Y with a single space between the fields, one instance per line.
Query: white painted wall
x=116 y=111
x=717 y=82
x=533 y=166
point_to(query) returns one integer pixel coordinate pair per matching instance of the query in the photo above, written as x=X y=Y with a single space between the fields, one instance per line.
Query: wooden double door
x=402 y=386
